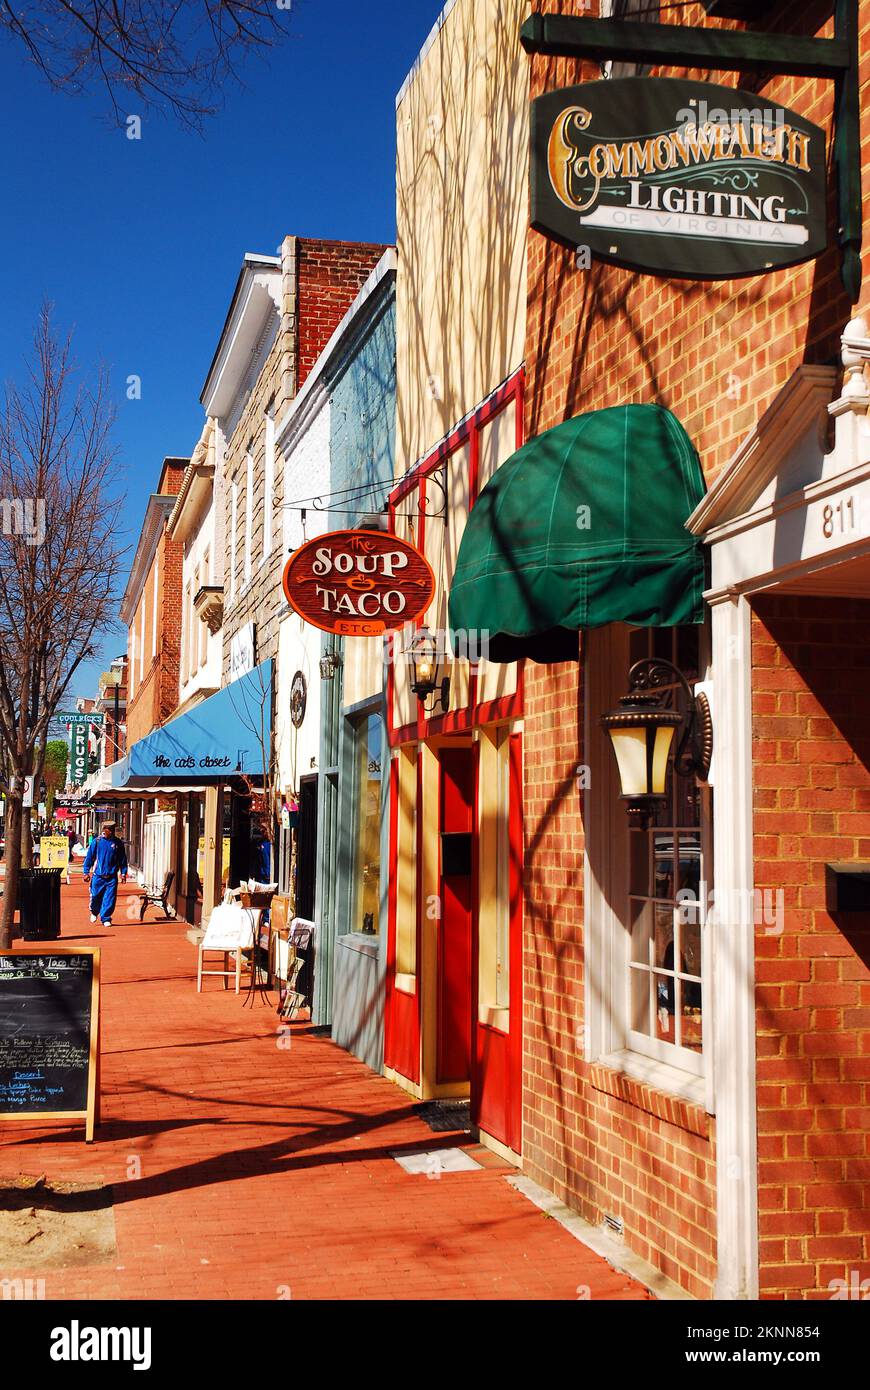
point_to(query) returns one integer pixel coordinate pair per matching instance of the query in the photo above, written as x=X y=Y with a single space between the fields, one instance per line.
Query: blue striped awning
x=226 y=736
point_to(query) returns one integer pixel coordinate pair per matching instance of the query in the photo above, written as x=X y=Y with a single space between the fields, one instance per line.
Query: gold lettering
x=663 y=152
x=599 y=162
x=618 y=162
x=701 y=141
x=564 y=160
x=640 y=154
x=799 y=150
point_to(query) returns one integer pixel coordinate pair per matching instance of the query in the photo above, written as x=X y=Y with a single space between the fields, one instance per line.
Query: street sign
x=27 y=798
x=678 y=178
x=78 y=758
x=358 y=583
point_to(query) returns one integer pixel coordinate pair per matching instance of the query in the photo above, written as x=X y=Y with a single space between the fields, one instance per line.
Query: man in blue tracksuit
x=107 y=858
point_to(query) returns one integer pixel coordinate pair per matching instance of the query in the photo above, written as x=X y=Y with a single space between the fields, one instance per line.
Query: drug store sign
x=678 y=178
x=358 y=583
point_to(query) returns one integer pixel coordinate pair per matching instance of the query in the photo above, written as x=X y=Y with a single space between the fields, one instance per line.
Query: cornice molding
x=157 y=512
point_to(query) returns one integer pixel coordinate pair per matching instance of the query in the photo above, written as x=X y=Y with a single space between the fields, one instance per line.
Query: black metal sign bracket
x=673 y=45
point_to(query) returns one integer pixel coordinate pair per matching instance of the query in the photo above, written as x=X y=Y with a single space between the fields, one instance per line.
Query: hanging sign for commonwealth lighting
x=678 y=178
x=358 y=583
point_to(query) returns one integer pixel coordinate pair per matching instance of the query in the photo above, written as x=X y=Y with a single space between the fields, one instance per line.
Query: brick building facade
x=718 y=355
x=284 y=310
x=151 y=610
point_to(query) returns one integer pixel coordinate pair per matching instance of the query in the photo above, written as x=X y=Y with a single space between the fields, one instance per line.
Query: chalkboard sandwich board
x=50 y=1034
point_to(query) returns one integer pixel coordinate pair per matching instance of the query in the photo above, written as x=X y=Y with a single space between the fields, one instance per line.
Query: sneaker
x=106 y=922
x=93 y=917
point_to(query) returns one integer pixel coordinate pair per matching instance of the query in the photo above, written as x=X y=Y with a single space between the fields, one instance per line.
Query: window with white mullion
x=269 y=482
x=249 y=515
x=234 y=524
x=667 y=889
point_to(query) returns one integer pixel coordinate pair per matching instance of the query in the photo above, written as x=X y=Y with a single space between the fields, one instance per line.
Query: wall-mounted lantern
x=643 y=729
x=424 y=682
x=329 y=664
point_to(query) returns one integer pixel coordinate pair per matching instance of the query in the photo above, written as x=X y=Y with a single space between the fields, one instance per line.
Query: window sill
x=673 y=1095
x=365 y=944
x=491 y=1017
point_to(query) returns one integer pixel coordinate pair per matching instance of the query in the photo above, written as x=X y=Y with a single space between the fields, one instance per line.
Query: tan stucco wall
x=461 y=286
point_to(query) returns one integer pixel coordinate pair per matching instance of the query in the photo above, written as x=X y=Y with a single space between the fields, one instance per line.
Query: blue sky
x=138 y=243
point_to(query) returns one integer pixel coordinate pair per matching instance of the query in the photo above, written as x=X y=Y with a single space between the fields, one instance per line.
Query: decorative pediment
x=792 y=508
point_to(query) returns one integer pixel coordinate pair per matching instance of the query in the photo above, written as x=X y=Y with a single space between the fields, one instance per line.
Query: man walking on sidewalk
x=107 y=857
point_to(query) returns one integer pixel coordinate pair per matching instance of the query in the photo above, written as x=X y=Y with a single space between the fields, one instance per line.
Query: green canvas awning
x=584 y=525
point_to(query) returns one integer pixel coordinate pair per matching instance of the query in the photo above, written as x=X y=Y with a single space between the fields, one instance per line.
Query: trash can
x=39 y=904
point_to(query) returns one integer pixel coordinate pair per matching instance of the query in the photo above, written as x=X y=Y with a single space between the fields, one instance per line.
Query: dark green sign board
x=78 y=756
x=678 y=178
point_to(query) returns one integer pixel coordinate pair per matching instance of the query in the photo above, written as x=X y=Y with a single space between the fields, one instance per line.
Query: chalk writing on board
x=45 y=1032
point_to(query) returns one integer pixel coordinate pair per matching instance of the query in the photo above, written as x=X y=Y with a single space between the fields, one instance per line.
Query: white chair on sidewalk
x=231 y=931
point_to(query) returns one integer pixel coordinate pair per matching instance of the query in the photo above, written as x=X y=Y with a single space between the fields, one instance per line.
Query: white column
x=734 y=953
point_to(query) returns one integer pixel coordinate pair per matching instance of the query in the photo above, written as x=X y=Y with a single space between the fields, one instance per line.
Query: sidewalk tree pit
x=358 y=583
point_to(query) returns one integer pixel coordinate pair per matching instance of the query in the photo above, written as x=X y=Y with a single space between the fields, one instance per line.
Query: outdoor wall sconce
x=329 y=664
x=642 y=730
x=424 y=682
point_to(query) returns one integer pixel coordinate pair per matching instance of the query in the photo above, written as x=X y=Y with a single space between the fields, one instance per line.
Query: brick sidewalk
x=266 y=1171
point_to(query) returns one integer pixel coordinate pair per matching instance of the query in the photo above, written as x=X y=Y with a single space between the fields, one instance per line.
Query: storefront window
x=667 y=895
x=406 y=864
x=369 y=750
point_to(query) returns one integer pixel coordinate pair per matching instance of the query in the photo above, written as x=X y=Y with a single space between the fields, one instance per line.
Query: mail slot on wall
x=847 y=886
x=455 y=853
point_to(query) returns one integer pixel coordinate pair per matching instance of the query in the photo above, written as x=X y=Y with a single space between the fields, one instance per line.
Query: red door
x=456 y=825
x=496 y=1091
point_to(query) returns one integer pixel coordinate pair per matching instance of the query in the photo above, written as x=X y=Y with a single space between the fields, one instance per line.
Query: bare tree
x=59 y=556
x=254 y=713
x=173 y=55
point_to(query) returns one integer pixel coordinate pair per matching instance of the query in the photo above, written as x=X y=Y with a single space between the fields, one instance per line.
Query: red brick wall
x=716 y=354
x=171 y=555
x=156 y=695
x=604 y=1144
x=330 y=275
x=171 y=476
x=811 y=806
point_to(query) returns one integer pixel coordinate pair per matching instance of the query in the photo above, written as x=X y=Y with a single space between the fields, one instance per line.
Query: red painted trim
x=475 y=931
x=473 y=484
x=515 y=840
x=418 y=952
x=418 y=623
x=467 y=431
x=461 y=721
x=402 y=1010
x=505 y=707
x=512 y=389
x=392 y=900
x=391 y=686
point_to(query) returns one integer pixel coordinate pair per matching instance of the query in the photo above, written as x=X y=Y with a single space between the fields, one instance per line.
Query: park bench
x=157 y=898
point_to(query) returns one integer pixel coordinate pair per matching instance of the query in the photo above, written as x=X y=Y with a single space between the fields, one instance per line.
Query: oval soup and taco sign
x=678 y=178
x=358 y=583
